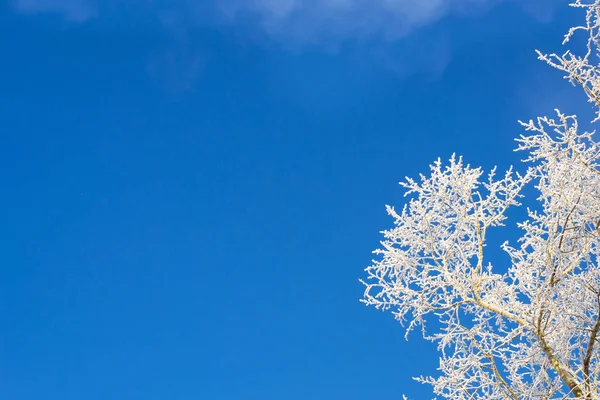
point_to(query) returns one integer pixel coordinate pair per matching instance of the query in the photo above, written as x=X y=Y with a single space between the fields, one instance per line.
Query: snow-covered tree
x=529 y=329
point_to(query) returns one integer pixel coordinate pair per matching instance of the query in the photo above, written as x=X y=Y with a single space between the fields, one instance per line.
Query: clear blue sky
x=190 y=193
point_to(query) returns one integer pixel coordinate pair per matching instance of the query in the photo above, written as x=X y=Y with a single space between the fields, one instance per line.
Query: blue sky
x=191 y=192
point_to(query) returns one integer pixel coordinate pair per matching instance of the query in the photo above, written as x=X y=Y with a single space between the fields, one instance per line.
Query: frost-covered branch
x=529 y=327
x=582 y=69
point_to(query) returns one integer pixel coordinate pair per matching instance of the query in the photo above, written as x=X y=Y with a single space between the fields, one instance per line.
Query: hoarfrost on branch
x=533 y=331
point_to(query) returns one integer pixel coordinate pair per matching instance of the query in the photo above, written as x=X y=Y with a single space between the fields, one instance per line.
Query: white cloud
x=313 y=20
x=295 y=24
x=298 y=21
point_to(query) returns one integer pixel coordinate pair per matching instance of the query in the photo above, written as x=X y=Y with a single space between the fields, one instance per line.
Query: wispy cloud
x=314 y=20
x=300 y=21
x=295 y=24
